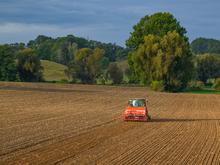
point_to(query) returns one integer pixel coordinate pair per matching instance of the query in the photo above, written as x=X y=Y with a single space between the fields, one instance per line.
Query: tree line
x=205 y=45
x=158 y=53
x=86 y=60
x=62 y=49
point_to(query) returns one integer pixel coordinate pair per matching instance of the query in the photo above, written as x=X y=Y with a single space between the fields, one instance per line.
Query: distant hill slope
x=204 y=45
x=53 y=71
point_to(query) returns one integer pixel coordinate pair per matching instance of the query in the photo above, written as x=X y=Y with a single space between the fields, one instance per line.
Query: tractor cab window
x=137 y=103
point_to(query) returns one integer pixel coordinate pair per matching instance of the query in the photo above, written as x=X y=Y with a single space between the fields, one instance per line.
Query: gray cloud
x=104 y=20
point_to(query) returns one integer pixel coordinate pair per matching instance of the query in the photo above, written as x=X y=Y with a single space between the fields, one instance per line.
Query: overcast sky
x=103 y=20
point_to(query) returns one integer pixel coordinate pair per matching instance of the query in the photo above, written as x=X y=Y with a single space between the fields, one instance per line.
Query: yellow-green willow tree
x=167 y=59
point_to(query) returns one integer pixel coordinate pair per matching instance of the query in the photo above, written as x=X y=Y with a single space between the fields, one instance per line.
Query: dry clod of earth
x=82 y=124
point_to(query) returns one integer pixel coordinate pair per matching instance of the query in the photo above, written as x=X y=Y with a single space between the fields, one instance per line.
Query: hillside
x=204 y=45
x=53 y=71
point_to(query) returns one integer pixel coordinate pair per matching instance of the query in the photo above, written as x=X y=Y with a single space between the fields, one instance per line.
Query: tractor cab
x=136 y=110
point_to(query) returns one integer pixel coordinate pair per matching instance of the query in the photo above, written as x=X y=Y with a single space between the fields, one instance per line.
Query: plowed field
x=81 y=124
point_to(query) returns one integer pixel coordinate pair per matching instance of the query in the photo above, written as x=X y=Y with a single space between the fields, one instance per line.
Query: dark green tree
x=177 y=62
x=8 y=70
x=42 y=45
x=208 y=67
x=157 y=24
x=29 y=66
x=105 y=63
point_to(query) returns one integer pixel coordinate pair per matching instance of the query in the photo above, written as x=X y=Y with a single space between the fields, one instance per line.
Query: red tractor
x=136 y=110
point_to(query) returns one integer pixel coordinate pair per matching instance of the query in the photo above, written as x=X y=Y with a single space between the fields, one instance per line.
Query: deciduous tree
x=158 y=24
x=86 y=65
x=8 y=71
x=29 y=66
x=166 y=59
x=208 y=67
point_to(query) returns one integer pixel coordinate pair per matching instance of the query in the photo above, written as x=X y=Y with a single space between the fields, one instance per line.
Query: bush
x=210 y=82
x=217 y=84
x=63 y=81
x=102 y=80
x=208 y=67
x=157 y=85
x=196 y=85
x=115 y=73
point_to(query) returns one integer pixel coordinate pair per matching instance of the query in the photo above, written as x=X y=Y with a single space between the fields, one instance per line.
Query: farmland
x=81 y=124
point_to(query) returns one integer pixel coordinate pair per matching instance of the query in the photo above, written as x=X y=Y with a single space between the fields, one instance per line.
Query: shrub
x=210 y=82
x=217 y=84
x=115 y=73
x=157 y=85
x=196 y=85
x=64 y=81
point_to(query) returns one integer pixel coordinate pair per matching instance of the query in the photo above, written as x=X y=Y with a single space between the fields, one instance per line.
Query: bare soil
x=82 y=124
